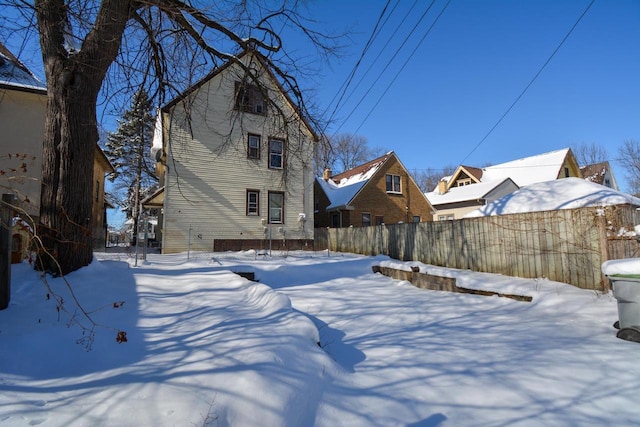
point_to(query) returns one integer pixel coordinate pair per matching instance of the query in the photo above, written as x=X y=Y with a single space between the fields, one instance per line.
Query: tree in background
x=342 y=152
x=427 y=179
x=128 y=150
x=629 y=159
x=590 y=153
x=107 y=50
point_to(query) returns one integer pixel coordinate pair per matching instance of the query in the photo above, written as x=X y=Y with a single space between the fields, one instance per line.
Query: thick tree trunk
x=71 y=134
x=73 y=82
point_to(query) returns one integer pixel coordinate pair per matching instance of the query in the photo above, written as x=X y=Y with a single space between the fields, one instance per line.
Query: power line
x=403 y=66
x=383 y=49
x=387 y=65
x=530 y=83
x=347 y=82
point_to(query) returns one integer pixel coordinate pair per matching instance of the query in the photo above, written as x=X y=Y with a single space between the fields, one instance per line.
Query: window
x=416 y=218
x=253 y=202
x=276 y=153
x=393 y=184
x=276 y=207
x=445 y=217
x=566 y=172
x=366 y=219
x=463 y=182
x=335 y=220
x=379 y=220
x=253 y=146
x=607 y=182
x=249 y=98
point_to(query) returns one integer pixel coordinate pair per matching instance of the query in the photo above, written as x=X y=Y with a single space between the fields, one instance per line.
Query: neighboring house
x=600 y=173
x=470 y=187
x=23 y=101
x=570 y=193
x=101 y=167
x=235 y=164
x=378 y=192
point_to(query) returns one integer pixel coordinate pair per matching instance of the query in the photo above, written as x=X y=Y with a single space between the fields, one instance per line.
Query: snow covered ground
x=206 y=347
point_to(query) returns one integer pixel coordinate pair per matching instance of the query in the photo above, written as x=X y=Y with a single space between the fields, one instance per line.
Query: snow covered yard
x=207 y=347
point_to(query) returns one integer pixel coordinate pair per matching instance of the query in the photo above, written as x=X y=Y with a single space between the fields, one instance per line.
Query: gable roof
x=523 y=172
x=342 y=188
x=597 y=172
x=567 y=193
x=218 y=70
x=14 y=74
x=467 y=192
x=529 y=170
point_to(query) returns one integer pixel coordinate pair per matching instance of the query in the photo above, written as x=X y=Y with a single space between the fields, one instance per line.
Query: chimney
x=442 y=186
x=326 y=175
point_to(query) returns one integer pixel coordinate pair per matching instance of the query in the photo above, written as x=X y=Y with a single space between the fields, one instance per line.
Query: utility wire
x=530 y=83
x=387 y=65
x=403 y=66
x=347 y=82
x=382 y=50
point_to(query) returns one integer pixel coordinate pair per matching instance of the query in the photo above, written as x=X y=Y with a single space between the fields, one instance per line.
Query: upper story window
x=253 y=146
x=250 y=99
x=463 y=182
x=276 y=153
x=393 y=184
x=566 y=173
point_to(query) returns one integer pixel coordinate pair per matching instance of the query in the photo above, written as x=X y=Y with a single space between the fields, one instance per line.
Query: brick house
x=380 y=191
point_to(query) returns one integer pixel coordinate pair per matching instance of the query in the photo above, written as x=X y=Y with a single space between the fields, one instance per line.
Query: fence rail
x=565 y=245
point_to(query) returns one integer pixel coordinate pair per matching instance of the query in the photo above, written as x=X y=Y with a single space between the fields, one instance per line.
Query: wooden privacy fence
x=565 y=245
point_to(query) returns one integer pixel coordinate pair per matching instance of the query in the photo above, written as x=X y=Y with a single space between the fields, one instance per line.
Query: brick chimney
x=326 y=175
x=442 y=186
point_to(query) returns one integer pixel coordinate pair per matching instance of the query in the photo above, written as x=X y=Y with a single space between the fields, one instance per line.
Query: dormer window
x=250 y=99
x=463 y=182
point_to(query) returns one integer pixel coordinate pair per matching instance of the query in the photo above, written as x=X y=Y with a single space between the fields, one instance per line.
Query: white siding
x=208 y=174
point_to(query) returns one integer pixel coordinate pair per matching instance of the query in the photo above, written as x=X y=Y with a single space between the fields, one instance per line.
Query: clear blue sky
x=471 y=67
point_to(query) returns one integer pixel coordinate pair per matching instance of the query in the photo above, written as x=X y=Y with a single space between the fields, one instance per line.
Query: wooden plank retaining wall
x=565 y=245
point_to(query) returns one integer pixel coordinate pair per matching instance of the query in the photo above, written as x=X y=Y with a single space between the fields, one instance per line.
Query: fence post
x=5 y=249
x=604 y=247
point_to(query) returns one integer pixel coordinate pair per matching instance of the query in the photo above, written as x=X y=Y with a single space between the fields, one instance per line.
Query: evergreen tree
x=128 y=150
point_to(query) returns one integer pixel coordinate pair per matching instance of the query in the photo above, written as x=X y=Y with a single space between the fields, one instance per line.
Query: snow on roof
x=342 y=188
x=156 y=144
x=528 y=170
x=565 y=193
x=14 y=73
x=467 y=192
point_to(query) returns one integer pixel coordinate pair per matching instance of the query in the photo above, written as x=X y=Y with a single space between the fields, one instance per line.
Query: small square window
x=416 y=218
x=379 y=220
x=253 y=146
x=393 y=184
x=249 y=98
x=276 y=153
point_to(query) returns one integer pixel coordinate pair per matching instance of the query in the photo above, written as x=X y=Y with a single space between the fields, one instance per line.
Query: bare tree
x=344 y=151
x=590 y=153
x=629 y=159
x=106 y=50
x=427 y=179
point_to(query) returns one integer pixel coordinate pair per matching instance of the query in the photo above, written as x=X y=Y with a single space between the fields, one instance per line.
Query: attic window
x=463 y=182
x=393 y=184
x=249 y=98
